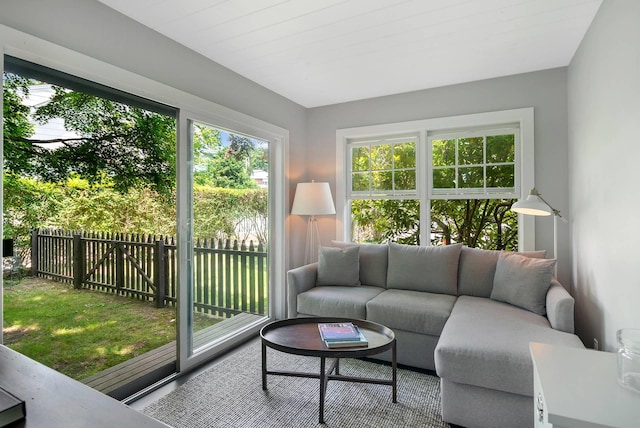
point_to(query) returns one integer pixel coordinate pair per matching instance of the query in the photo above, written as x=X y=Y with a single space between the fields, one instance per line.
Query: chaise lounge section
x=466 y=313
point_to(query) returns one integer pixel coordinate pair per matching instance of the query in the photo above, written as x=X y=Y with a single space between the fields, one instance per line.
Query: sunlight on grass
x=18 y=328
x=65 y=331
x=37 y=299
x=127 y=350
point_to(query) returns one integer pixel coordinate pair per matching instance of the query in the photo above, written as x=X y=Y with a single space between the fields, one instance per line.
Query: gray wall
x=544 y=90
x=604 y=148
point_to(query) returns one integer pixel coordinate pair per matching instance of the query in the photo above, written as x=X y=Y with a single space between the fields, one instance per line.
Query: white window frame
x=382 y=194
x=523 y=118
x=475 y=193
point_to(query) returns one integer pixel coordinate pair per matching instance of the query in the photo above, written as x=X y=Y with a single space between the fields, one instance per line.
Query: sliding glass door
x=225 y=210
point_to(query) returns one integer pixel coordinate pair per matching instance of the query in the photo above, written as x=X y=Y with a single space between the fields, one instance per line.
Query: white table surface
x=580 y=388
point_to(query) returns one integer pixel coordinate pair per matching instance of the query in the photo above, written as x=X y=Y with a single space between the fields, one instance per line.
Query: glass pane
x=404 y=155
x=501 y=148
x=360 y=159
x=404 y=180
x=382 y=221
x=444 y=178
x=381 y=180
x=360 y=182
x=444 y=152
x=478 y=223
x=471 y=177
x=381 y=157
x=501 y=176
x=470 y=151
x=230 y=233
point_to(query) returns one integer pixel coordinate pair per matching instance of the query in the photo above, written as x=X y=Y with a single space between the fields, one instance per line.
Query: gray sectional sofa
x=466 y=313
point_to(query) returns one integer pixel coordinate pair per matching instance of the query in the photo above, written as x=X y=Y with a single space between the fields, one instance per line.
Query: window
x=474 y=164
x=458 y=175
x=383 y=168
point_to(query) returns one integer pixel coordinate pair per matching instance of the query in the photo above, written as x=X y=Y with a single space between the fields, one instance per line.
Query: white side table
x=579 y=388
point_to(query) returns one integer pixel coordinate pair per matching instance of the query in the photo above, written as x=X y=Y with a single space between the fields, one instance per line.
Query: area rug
x=230 y=394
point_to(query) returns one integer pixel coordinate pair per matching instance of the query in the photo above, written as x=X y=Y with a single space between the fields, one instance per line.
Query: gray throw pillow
x=477 y=269
x=419 y=268
x=339 y=266
x=373 y=262
x=523 y=281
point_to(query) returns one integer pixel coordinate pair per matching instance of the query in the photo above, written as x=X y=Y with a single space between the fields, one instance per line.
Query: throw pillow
x=338 y=266
x=477 y=269
x=523 y=281
x=373 y=262
x=418 y=268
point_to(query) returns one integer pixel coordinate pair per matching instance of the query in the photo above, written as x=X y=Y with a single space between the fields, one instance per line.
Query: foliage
x=478 y=223
x=217 y=212
x=102 y=209
x=27 y=204
x=131 y=145
x=216 y=166
x=79 y=205
x=386 y=220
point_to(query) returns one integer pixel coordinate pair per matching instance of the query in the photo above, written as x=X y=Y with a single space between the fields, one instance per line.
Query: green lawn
x=81 y=332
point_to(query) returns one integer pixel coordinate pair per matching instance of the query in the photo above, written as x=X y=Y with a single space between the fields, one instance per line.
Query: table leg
x=338 y=366
x=264 y=366
x=394 y=369
x=323 y=388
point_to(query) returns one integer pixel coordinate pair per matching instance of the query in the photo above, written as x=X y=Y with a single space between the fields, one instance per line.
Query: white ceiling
x=320 y=52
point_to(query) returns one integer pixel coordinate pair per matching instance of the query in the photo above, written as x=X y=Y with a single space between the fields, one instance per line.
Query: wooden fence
x=228 y=278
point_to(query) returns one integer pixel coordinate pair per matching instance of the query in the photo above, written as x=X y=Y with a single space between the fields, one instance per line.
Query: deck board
x=162 y=358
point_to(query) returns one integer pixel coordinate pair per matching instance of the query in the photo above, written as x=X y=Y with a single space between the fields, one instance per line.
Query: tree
x=131 y=145
x=219 y=167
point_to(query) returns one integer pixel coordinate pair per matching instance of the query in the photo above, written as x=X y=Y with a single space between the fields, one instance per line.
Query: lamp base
x=313 y=241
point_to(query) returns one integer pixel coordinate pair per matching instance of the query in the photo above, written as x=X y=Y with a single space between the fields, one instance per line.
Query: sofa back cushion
x=431 y=269
x=373 y=262
x=478 y=267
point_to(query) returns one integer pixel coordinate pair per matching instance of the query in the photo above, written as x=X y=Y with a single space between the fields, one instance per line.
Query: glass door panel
x=230 y=194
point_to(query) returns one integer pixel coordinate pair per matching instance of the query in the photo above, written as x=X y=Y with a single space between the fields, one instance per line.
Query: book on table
x=341 y=335
x=12 y=408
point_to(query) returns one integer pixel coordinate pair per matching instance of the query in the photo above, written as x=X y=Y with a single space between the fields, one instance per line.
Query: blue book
x=339 y=331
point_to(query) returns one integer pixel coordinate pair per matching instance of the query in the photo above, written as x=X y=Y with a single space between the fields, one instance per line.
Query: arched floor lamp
x=312 y=199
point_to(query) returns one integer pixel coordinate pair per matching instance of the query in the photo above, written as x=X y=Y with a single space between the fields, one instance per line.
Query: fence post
x=160 y=278
x=78 y=265
x=119 y=253
x=34 y=252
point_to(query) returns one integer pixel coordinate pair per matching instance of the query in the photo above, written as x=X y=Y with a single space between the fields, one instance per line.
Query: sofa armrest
x=560 y=307
x=299 y=280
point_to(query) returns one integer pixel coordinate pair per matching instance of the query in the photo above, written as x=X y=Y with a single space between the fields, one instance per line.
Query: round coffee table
x=300 y=336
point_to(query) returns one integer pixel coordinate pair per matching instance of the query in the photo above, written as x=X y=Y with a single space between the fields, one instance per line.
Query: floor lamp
x=313 y=199
x=536 y=205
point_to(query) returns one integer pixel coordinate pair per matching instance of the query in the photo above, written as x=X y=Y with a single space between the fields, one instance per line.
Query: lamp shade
x=532 y=206
x=313 y=199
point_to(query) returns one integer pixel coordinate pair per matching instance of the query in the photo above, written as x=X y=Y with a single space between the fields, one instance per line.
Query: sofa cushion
x=338 y=266
x=477 y=268
x=418 y=268
x=415 y=311
x=337 y=301
x=373 y=262
x=486 y=343
x=523 y=281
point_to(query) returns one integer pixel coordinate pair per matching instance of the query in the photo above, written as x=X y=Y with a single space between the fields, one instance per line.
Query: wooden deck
x=126 y=378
